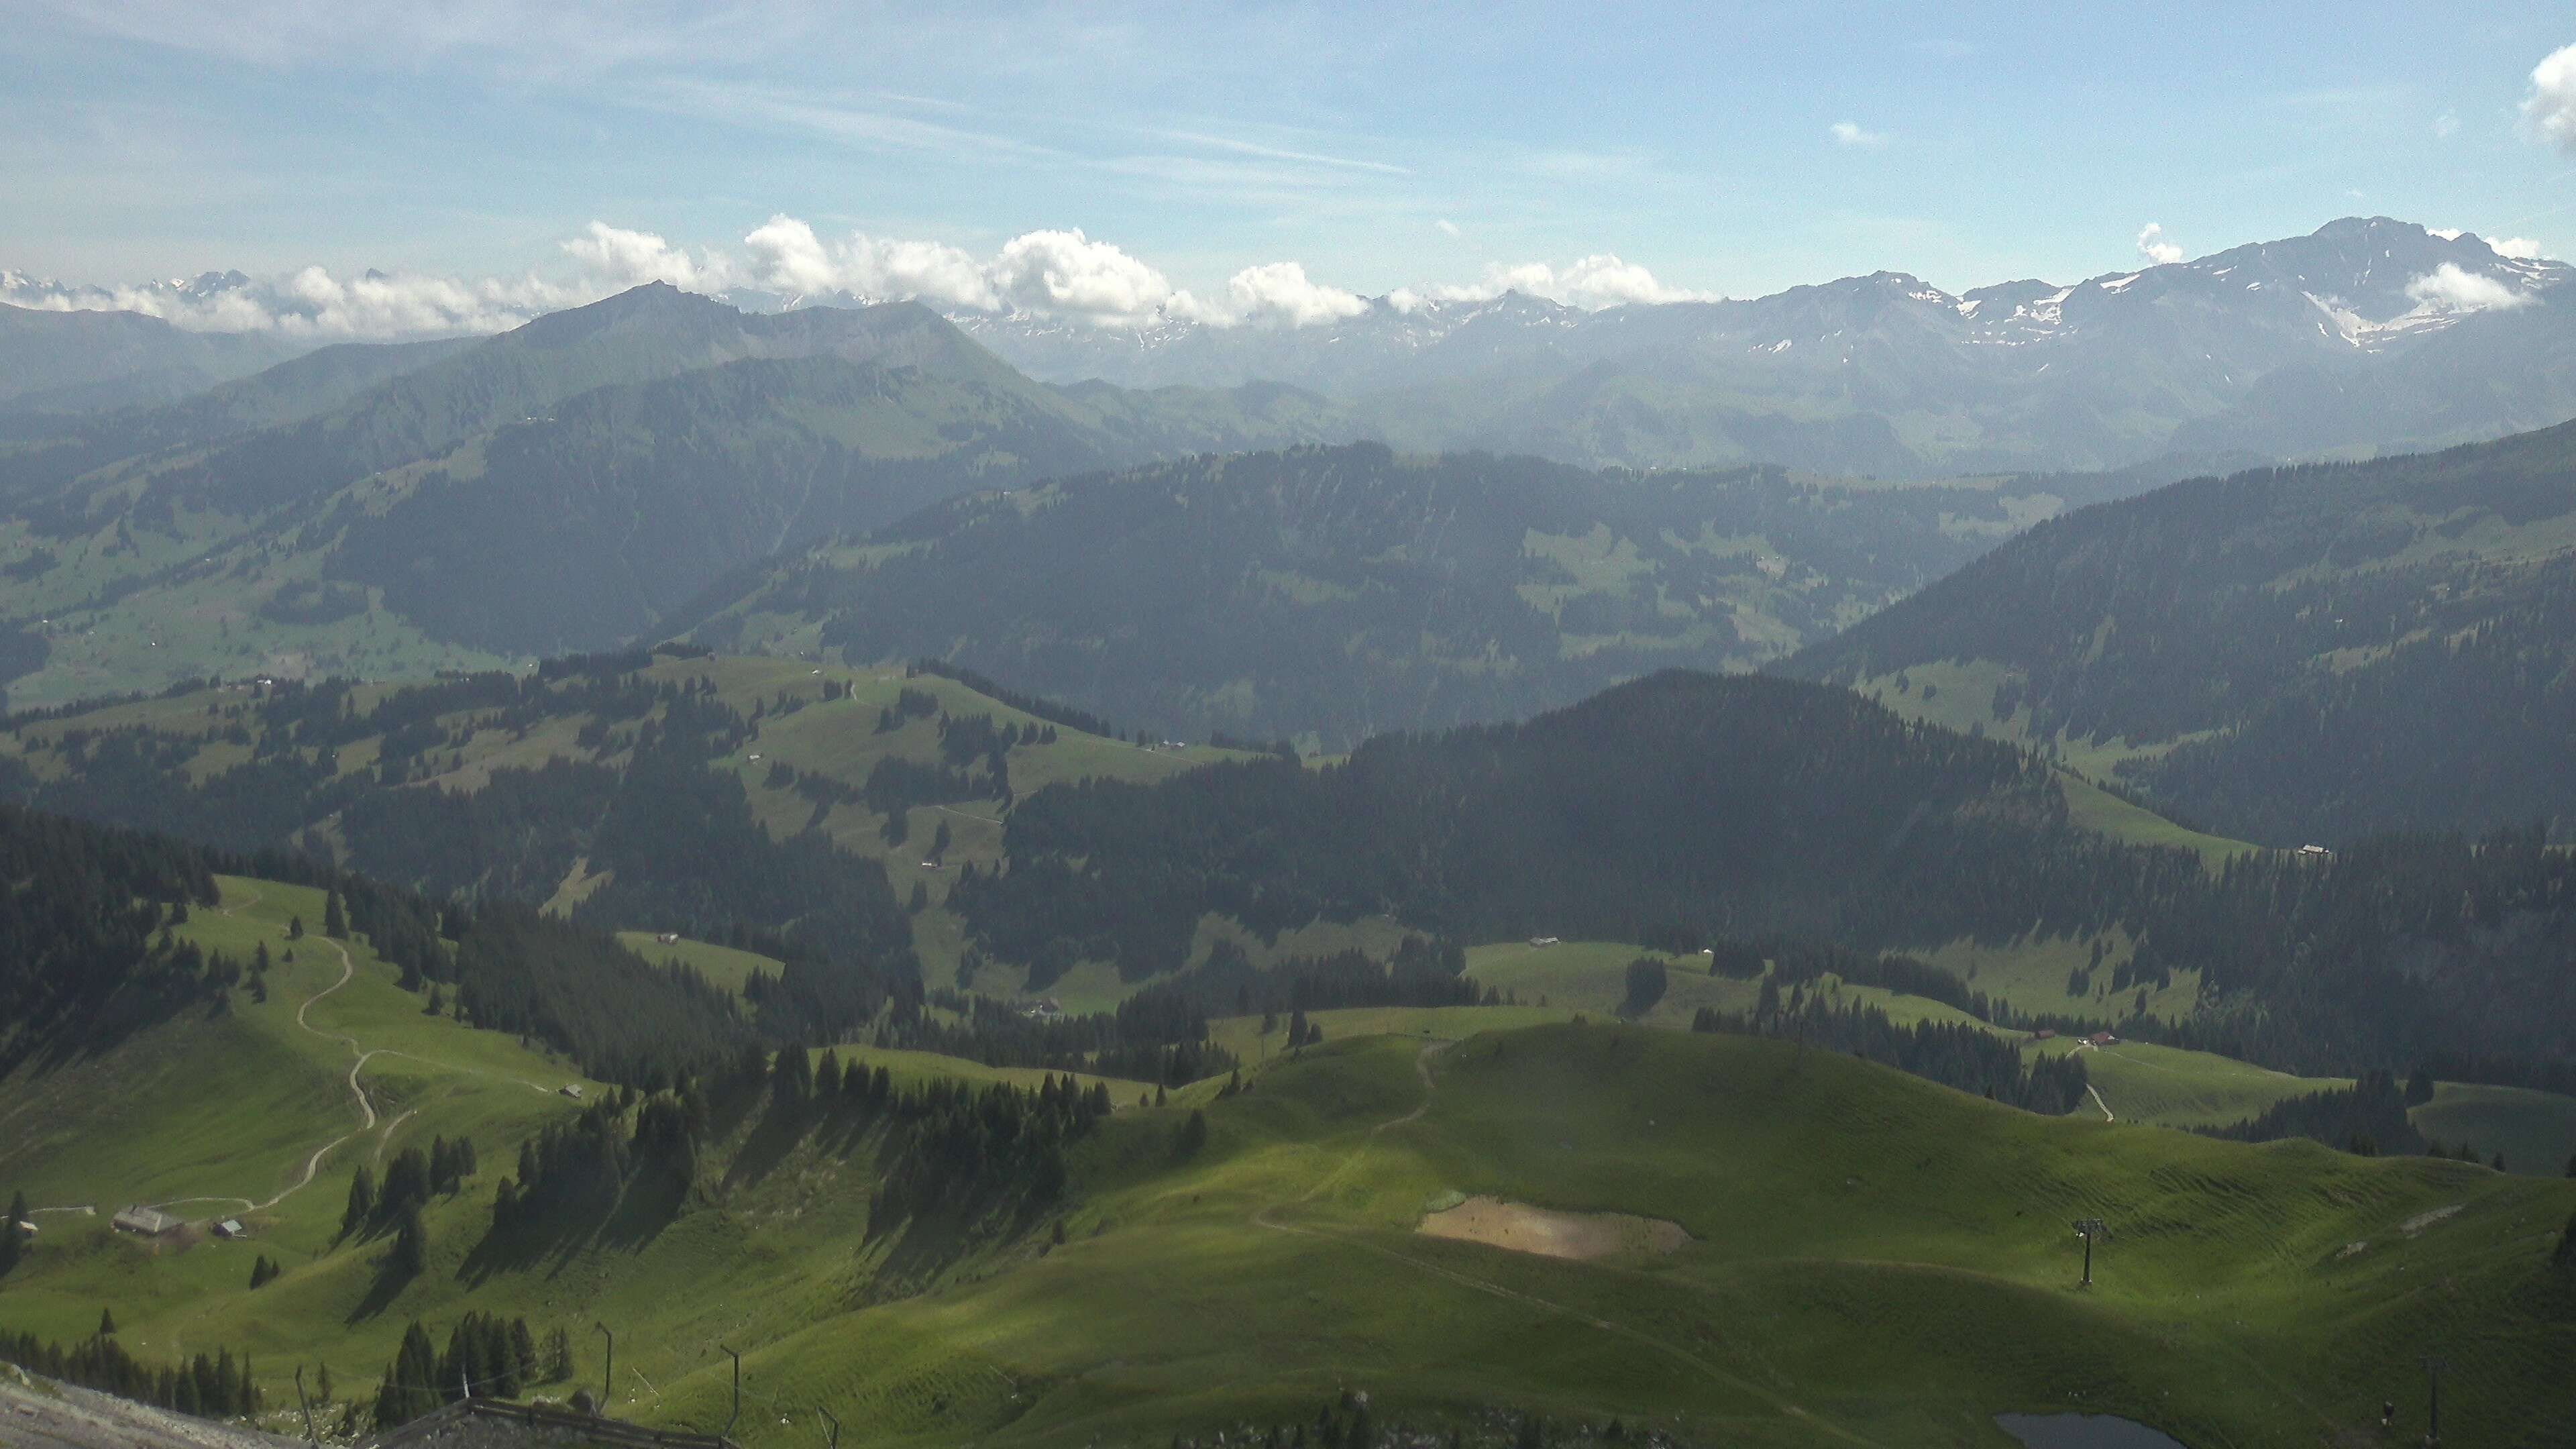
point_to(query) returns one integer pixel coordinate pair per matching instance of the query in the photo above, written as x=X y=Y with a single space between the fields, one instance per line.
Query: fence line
x=539 y=1416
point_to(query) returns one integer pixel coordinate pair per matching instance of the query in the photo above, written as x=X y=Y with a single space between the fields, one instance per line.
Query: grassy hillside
x=1878 y=1261
x=193 y=777
x=1869 y=1259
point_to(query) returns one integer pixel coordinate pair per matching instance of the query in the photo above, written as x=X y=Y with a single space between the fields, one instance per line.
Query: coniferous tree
x=294 y=932
x=335 y=922
x=107 y=1323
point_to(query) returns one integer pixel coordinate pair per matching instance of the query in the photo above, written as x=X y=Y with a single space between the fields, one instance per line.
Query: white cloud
x=2550 y=109
x=625 y=259
x=1592 y=282
x=1447 y=227
x=1062 y=273
x=1065 y=271
x=1848 y=133
x=2446 y=125
x=2450 y=287
x=787 y=257
x=1278 y=294
x=2157 y=248
x=2520 y=248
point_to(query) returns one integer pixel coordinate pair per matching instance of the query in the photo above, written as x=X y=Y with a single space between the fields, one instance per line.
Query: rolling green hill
x=2298 y=655
x=1860 y=1258
x=1327 y=594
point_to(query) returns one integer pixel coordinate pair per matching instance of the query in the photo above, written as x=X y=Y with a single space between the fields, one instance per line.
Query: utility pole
x=737 y=1392
x=306 y=1405
x=608 y=1371
x=2433 y=1365
x=835 y=1423
x=2090 y=1228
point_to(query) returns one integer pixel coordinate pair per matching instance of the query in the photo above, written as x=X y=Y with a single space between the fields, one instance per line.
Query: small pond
x=2083 y=1431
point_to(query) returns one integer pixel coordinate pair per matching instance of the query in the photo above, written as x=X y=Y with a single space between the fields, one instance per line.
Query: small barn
x=232 y=1230
x=146 y=1222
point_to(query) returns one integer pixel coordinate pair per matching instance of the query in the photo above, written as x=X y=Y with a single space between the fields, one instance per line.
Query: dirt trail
x=367 y=1115
x=1670 y=1350
x=2098 y=1102
x=366 y=1108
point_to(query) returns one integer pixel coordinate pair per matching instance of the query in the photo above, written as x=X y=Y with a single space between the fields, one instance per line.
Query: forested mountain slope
x=554 y=488
x=2287 y=655
x=1332 y=593
x=1687 y=807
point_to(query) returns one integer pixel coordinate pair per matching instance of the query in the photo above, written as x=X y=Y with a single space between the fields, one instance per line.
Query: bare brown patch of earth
x=1551 y=1234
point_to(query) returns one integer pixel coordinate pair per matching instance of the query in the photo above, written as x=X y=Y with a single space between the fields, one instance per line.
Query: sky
x=1235 y=163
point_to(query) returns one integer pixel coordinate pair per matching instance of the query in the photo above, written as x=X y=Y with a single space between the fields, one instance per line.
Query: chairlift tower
x=2090 y=1229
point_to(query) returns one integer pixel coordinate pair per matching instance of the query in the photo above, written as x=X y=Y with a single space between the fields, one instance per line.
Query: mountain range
x=2368 y=334
x=819 y=478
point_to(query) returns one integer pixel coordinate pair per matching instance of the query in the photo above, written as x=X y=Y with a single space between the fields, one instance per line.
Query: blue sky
x=1377 y=148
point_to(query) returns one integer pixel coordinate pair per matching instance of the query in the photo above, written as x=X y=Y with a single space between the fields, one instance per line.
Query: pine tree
x=322 y=1382
x=334 y=923
x=294 y=932
x=107 y=1323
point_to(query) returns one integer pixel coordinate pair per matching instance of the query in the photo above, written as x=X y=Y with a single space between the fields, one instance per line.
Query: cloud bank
x=1849 y=133
x=1054 y=272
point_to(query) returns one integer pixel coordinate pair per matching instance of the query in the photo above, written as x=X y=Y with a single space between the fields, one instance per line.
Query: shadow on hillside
x=628 y=1220
x=388 y=1285
x=780 y=1131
